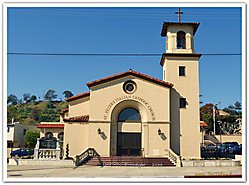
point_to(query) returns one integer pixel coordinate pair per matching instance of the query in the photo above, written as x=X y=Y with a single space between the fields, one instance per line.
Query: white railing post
x=175 y=158
x=36 y=151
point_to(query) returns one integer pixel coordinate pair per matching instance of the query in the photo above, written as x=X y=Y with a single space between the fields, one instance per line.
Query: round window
x=129 y=87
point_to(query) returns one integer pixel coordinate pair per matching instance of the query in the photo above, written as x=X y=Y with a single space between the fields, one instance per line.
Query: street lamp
x=220 y=122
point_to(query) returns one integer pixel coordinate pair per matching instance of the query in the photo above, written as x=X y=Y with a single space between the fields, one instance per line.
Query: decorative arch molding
x=129 y=104
x=114 y=107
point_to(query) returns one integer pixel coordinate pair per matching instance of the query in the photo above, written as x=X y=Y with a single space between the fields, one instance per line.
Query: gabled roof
x=84 y=118
x=130 y=72
x=78 y=96
x=195 y=26
x=64 y=110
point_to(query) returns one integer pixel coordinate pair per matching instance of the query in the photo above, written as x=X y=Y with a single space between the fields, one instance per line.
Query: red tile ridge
x=203 y=124
x=65 y=110
x=84 y=118
x=57 y=125
x=130 y=72
x=85 y=94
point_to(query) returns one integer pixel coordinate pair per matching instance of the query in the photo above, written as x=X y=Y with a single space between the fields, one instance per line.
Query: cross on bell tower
x=179 y=14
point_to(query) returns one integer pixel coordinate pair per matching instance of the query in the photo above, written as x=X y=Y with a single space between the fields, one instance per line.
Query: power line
x=112 y=54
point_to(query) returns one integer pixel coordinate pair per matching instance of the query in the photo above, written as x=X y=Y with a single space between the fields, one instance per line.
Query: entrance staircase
x=92 y=158
x=128 y=161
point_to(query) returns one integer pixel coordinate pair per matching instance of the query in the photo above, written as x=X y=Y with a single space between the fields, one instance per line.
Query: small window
x=9 y=144
x=24 y=131
x=49 y=135
x=181 y=70
x=183 y=102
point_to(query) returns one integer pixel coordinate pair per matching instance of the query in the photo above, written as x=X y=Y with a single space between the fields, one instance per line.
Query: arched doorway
x=129 y=132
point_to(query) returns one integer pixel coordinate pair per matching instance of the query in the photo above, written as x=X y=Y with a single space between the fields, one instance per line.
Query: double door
x=128 y=144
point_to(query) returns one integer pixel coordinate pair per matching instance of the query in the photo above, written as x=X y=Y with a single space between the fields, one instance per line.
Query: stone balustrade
x=49 y=154
x=46 y=153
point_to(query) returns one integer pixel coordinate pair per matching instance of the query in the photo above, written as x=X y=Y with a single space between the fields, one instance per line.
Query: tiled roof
x=50 y=125
x=84 y=118
x=78 y=96
x=203 y=124
x=166 y=24
x=178 y=55
x=130 y=72
x=64 y=110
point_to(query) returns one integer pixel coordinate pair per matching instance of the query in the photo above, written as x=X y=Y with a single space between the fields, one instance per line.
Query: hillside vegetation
x=34 y=112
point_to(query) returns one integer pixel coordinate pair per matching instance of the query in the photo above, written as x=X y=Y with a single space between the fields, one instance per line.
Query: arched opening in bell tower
x=181 y=40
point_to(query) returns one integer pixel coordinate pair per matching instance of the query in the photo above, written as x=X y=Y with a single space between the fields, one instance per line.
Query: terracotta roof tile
x=78 y=96
x=166 y=24
x=203 y=124
x=64 y=110
x=84 y=118
x=50 y=125
x=130 y=72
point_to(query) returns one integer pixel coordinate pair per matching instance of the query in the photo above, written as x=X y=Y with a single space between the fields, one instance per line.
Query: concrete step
x=129 y=161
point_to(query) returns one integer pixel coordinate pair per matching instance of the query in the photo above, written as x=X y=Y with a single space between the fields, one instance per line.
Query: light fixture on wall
x=99 y=131
x=159 y=132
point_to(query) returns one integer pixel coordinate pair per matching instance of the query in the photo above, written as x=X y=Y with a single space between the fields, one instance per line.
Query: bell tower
x=180 y=67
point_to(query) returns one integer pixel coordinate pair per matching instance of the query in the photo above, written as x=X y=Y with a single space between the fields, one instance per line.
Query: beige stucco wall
x=79 y=107
x=184 y=121
x=156 y=96
x=100 y=142
x=157 y=145
x=76 y=135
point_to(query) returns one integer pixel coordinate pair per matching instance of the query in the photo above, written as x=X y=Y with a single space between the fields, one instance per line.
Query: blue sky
x=117 y=30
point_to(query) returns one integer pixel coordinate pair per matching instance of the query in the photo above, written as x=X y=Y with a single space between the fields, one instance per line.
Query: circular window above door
x=129 y=87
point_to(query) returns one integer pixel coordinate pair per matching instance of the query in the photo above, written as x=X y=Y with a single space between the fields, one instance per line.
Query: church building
x=133 y=114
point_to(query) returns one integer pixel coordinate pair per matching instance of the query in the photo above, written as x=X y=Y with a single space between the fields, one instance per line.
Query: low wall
x=229 y=138
x=208 y=163
x=13 y=161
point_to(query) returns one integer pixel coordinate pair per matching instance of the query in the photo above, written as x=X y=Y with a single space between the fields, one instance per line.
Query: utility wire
x=112 y=54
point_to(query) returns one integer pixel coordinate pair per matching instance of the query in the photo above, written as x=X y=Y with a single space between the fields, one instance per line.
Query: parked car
x=222 y=148
x=231 y=146
x=22 y=152
x=236 y=149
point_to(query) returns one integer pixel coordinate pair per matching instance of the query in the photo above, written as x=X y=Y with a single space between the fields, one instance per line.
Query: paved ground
x=116 y=172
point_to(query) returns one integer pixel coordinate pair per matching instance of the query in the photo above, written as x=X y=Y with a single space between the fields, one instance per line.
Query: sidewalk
x=117 y=172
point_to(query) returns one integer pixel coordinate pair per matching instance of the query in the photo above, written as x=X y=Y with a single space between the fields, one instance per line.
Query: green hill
x=33 y=113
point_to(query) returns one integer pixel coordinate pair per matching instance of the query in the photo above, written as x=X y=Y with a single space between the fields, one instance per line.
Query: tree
x=12 y=99
x=33 y=98
x=234 y=109
x=26 y=97
x=31 y=138
x=207 y=109
x=35 y=114
x=237 y=106
x=50 y=95
x=67 y=94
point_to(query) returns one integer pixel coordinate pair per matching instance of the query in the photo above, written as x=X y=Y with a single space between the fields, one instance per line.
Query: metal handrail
x=84 y=156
